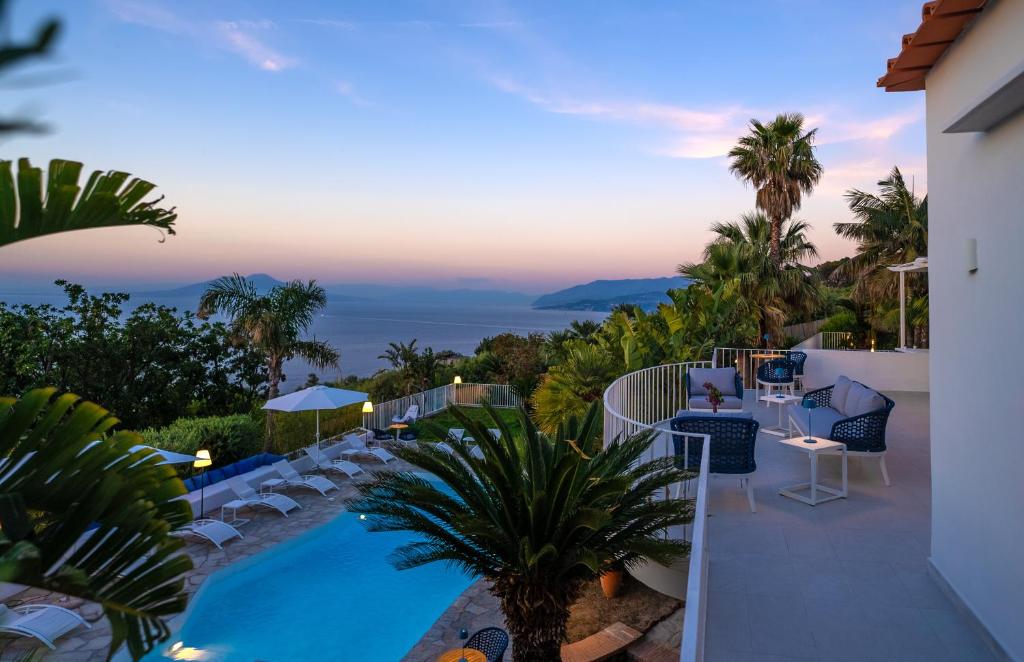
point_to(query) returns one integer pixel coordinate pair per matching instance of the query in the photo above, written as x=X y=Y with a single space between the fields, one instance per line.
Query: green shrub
x=228 y=438
x=293 y=430
x=843 y=320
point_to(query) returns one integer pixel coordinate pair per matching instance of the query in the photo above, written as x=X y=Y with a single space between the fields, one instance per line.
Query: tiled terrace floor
x=844 y=580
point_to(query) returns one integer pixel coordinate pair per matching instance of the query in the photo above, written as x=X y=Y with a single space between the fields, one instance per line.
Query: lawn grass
x=428 y=427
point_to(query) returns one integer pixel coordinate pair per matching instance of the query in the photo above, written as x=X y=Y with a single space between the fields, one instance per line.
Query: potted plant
x=611 y=579
x=714 y=396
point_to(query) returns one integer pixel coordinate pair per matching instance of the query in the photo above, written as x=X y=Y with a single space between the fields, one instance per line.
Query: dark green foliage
x=228 y=438
x=75 y=476
x=153 y=364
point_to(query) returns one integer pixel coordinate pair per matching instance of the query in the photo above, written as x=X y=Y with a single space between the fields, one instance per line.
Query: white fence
x=436 y=399
x=837 y=340
x=646 y=400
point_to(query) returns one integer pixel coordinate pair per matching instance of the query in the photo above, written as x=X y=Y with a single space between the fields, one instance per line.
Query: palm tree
x=891 y=228
x=741 y=253
x=272 y=323
x=570 y=387
x=538 y=517
x=778 y=160
x=83 y=515
x=28 y=209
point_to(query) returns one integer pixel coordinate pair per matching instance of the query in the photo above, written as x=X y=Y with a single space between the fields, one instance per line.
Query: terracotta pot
x=611 y=580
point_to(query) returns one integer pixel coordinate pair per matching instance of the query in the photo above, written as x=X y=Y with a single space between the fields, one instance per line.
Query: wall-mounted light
x=972 y=255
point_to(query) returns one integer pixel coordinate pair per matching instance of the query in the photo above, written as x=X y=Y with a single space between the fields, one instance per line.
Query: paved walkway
x=842 y=581
x=264 y=530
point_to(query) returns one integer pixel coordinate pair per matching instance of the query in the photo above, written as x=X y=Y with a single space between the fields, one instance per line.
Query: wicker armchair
x=798 y=359
x=492 y=642
x=408 y=435
x=696 y=395
x=776 y=372
x=732 y=445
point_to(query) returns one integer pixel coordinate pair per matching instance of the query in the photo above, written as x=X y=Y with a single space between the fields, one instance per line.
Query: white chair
x=476 y=452
x=410 y=416
x=358 y=447
x=211 y=530
x=456 y=434
x=495 y=432
x=292 y=478
x=247 y=496
x=442 y=446
x=324 y=463
x=46 y=623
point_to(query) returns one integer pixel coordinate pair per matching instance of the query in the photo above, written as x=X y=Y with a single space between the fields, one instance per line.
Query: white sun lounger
x=357 y=447
x=442 y=446
x=46 y=623
x=247 y=496
x=476 y=452
x=456 y=434
x=292 y=478
x=210 y=530
x=411 y=414
x=350 y=469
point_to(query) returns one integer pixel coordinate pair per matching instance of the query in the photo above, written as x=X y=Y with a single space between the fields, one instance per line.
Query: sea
x=361 y=330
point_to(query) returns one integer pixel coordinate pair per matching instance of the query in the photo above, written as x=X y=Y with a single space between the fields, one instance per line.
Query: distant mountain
x=603 y=295
x=264 y=283
x=427 y=294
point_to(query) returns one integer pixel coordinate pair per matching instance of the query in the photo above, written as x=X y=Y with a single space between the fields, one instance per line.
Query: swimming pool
x=329 y=594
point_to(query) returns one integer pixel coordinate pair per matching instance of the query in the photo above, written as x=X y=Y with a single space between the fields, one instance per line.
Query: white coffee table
x=813 y=450
x=779 y=399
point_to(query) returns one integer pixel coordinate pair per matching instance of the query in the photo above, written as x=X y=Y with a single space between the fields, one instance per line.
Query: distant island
x=603 y=295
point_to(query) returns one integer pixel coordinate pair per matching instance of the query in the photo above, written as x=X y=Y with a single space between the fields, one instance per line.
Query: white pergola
x=917 y=266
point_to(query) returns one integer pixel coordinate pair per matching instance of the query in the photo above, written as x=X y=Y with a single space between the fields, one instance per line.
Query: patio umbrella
x=170 y=457
x=316 y=398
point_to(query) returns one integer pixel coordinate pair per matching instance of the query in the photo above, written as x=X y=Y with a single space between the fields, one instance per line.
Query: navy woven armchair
x=383 y=435
x=733 y=436
x=776 y=372
x=727 y=380
x=492 y=642
x=798 y=359
x=857 y=417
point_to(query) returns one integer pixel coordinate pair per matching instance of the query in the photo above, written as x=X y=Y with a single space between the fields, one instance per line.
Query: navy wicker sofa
x=848 y=412
x=214 y=476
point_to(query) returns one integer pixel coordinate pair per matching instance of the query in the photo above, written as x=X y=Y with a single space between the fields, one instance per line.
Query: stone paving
x=264 y=530
x=476 y=608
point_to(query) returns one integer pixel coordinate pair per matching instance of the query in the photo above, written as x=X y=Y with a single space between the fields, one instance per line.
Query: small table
x=819 y=447
x=779 y=399
x=456 y=654
x=267 y=486
x=233 y=506
x=397 y=427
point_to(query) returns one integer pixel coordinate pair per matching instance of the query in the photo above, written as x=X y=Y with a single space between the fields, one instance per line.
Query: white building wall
x=884 y=371
x=976 y=190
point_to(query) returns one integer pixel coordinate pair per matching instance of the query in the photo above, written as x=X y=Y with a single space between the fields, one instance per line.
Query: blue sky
x=526 y=145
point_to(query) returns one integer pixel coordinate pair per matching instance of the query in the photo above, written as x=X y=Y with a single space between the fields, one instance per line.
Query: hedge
x=228 y=438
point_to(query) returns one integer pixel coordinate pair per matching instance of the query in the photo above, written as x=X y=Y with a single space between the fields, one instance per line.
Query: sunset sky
x=526 y=145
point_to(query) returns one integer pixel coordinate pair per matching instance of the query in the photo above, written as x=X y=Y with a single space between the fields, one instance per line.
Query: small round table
x=456 y=654
x=397 y=427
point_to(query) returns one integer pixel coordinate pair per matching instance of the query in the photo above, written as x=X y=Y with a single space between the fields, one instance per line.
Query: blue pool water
x=331 y=594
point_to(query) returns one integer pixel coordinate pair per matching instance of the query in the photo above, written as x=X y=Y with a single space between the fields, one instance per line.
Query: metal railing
x=647 y=400
x=436 y=399
x=837 y=340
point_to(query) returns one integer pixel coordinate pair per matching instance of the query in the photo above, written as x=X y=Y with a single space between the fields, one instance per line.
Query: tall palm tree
x=890 y=228
x=84 y=515
x=741 y=254
x=538 y=517
x=272 y=323
x=778 y=159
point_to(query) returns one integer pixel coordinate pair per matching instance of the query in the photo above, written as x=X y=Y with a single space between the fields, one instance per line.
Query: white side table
x=780 y=400
x=813 y=450
x=267 y=486
x=233 y=506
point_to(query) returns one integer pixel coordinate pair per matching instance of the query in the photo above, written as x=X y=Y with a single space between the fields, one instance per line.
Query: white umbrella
x=316 y=398
x=170 y=457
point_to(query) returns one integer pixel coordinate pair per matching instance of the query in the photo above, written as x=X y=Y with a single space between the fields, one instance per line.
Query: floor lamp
x=201 y=462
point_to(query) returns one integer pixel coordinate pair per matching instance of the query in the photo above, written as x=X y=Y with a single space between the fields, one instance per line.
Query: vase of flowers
x=714 y=396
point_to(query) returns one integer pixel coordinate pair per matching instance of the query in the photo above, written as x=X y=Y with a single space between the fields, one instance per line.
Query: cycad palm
x=778 y=159
x=272 y=323
x=538 y=517
x=741 y=256
x=891 y=228
x=569 y=388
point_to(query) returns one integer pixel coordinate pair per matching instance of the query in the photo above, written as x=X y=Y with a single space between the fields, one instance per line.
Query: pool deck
x=264 y=530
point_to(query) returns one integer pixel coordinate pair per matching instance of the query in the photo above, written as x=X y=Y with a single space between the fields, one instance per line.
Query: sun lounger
x=358 y=447
x=46 y=623
x=292 y=478
x=210 y=530
x=456 y=434
x=350 y=469
x=247 y=496
x=442 y=446
x=476 y=452
x=411 y=414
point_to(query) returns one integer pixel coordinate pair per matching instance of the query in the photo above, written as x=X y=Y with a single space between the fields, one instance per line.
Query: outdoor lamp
x=457 y=380
x=367 y=407
x=202 y=461
x=809 y=404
